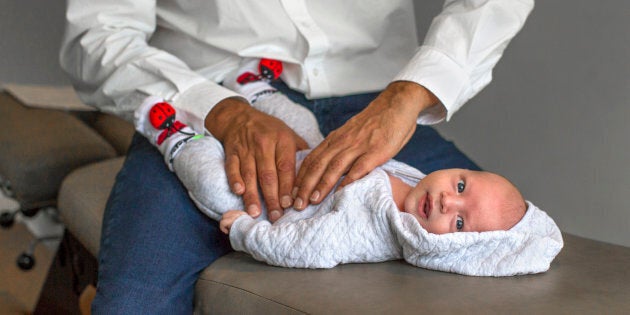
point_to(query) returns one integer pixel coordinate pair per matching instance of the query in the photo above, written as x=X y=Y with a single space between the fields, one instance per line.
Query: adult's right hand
x=366 y=141
x=259 y=150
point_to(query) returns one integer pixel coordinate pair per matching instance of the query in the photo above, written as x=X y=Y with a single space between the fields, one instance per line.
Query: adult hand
x=366 y=141
x=259 y=150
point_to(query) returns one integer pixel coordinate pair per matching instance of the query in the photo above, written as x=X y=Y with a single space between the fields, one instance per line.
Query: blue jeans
x=155 y=242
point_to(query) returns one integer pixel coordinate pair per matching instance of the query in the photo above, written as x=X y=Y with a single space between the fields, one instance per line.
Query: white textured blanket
x=361 y=223
x=529 y=247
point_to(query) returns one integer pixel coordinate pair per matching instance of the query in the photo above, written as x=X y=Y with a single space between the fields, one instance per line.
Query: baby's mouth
x=423 y=208
x=426 y=208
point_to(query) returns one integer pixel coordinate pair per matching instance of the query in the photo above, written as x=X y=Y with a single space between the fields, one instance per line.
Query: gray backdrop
x=553 y=120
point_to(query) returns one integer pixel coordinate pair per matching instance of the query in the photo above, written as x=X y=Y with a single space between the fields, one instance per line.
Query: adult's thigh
x=154 y=241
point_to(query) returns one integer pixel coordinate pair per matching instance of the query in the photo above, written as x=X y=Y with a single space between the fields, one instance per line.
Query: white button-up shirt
x=117 y=52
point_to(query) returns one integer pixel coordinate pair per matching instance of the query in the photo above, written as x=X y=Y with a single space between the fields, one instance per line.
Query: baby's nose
x=451 y=202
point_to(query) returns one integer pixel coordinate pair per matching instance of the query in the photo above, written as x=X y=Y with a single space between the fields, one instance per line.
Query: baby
x=445 y=202
x=393 y=212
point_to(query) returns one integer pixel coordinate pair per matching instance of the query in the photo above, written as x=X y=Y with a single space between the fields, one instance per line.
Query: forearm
x=409 y=97
x=462 y=46
x=106 y=54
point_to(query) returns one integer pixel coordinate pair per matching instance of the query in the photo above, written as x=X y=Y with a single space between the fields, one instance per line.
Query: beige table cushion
x=39 y=147
x=115 y=130
x=82 y=199
x=588 y=277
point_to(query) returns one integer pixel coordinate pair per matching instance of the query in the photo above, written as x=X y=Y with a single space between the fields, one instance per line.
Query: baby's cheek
x=436 y=227
x=424 y=224
x=410 y=204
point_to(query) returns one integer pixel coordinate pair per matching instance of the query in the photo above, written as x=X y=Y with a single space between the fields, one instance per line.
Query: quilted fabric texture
x=529 y=247
x=362 y=224
x=348 y=227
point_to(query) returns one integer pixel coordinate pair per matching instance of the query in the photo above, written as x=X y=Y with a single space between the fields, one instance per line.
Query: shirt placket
x=318 y=45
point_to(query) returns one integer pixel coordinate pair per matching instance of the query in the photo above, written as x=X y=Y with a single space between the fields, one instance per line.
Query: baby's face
x=455 y=200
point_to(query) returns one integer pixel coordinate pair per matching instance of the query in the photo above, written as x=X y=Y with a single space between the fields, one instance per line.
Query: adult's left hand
x=367 y=140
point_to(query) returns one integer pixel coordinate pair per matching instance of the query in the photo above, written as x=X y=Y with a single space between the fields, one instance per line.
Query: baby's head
x=455 y=200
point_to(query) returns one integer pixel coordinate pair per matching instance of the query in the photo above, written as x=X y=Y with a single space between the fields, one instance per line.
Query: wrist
x=224 y=114
x=415 y=96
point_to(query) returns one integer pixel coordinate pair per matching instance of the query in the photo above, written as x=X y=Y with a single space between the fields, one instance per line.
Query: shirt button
x=315 y=72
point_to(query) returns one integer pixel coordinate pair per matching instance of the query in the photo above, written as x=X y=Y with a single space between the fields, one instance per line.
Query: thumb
x=361 y=167
x=301 y=144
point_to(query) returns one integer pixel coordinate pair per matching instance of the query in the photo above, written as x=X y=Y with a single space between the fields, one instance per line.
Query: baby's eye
x=459 y=224
x=461 y=185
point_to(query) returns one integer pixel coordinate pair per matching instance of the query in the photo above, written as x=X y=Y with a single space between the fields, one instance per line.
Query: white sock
x=169 y=141
x=252 y=85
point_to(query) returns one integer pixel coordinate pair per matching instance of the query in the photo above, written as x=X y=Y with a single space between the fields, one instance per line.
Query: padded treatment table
x=587 y=276
x=39 y=147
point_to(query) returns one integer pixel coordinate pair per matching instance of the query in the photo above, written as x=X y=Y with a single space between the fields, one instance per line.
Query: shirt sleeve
x=462 y=46
x=106 y=53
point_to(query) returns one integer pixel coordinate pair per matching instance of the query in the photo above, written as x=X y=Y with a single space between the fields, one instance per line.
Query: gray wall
x=553 y=119
x=31 y=32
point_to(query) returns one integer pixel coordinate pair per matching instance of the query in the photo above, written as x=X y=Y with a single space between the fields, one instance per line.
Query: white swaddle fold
x=529 y=247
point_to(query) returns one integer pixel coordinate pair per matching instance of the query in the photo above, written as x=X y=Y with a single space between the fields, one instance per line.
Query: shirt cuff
x=441 y=75
x=198 y=101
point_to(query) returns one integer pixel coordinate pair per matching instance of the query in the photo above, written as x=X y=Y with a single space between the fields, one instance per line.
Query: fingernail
x=298 y=203
x=286 y=201
x=294 y=192
x=314 y=196
x=238 y=188
x=253 y=210
x=274 y=215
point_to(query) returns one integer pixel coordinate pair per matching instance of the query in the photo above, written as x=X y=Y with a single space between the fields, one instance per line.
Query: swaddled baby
x=393 y=212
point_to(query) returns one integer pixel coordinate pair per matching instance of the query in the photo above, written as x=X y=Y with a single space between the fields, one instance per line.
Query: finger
x=361 y=167
x=336 y=168
x=233 y=173
x=309 y=175
x=250 y=195
x=313 y=156
x=308 y=164
x=285 y=163
x=301 y=144
x=267 y=175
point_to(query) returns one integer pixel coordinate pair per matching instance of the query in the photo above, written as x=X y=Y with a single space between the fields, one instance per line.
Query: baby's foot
x=156 y=120
x=252 y=79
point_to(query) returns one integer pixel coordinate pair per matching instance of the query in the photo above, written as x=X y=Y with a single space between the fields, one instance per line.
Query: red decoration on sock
x=162 y=115
x=247 y=77
x=270 y=68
